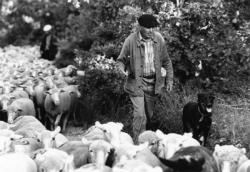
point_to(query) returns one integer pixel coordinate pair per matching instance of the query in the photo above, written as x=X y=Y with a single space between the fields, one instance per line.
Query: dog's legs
x=206 y=130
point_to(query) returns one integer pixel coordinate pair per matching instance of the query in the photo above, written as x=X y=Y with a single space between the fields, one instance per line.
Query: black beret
x=148 y=21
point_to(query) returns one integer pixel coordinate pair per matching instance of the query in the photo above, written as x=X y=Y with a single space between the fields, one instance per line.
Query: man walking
x=145 y=61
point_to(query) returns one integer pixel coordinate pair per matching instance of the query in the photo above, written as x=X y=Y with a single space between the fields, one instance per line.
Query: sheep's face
x=112 y=131
x=99 y=150
x=55 y=95
x=13 y=113
x=229 y=157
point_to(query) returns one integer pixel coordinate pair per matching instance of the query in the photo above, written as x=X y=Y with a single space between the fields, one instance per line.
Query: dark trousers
x=143 y=108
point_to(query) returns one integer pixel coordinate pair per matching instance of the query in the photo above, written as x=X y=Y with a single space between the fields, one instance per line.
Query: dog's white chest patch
x=209 y=110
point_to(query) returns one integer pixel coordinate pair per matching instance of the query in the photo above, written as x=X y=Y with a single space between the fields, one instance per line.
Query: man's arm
x=122 y=59
x=166 y=62
x=167 y=65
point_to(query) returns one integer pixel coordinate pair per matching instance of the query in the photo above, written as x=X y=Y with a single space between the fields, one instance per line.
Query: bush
x=102 y=88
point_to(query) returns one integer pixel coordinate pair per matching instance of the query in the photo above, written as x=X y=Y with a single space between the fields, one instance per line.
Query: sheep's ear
x=159 y=134
x=85 y=141
x=216 y=148
x=98 y=124
x=58 y=129
x=120 y=125
x=243 y=150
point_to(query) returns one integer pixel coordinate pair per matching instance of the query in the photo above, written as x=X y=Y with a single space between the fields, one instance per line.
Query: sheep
x=113 y=133
x=4 y=125
x=27 y=126
x=20 y=107
x=13 y=162
x=30 y=127
x=16 y=94
x=39 y=98
x=57 y=105
x=127 y=152
x=93 y=168
x=74 y=92
x=6 y=145
x=244 y=167
x=53 y=160
x=26 y=145
x=79 y=150
x=152 y=139
x=98 y=151
x=52 y=139
x=29 y=88
x=229 y=157
x=5 y=100
x=170 y=143
x=136 y=166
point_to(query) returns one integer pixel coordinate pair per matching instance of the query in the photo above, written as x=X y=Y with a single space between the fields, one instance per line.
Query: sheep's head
x=111 y=131
x=98 y=151
x=229 y=157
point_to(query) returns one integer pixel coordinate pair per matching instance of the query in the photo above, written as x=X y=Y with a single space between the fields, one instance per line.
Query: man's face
x=146 y=33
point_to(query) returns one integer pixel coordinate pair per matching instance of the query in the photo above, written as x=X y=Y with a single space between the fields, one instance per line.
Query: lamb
x=52 y=139
x=136 y=166
x=152 y=139
x=229 y=157
x=53 y=160
x=244 y=167
x=27 y=126
x=74 y=92
x=13 y=162
x=57 y=105
x=79 y=150
x=26 y=145
x=172 y=142
x=20 y=107
x=39 y=98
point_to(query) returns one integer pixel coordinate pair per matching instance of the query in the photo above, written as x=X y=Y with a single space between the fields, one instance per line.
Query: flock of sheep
x=36 y=101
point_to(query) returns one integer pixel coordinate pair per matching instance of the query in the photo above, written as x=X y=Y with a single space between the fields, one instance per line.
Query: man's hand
x=163 y=72
x=124 y=72
x=121 y=68
x=169 y=86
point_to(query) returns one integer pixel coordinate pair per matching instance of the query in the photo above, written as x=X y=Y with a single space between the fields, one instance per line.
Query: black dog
x=197 y=117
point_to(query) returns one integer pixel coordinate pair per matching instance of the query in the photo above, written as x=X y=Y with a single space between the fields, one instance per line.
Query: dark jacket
x=50 y=52
x=131 y=59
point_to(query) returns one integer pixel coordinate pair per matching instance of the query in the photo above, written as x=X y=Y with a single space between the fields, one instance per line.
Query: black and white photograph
x=124 y=85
